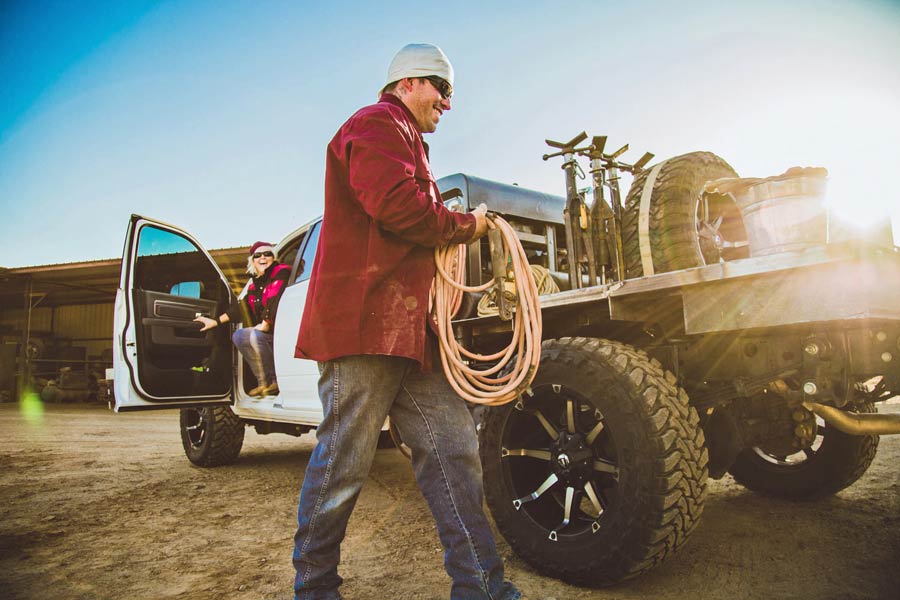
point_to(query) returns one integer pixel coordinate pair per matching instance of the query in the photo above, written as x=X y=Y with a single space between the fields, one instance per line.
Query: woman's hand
x=263 y=326
x=207 y=323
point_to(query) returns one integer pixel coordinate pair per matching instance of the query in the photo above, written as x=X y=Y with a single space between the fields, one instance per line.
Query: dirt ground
x=101 y=506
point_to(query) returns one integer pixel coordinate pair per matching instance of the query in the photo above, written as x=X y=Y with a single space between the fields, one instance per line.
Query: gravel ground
x=97 y=505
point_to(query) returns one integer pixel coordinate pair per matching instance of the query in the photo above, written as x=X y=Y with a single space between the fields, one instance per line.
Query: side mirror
x=187 y=289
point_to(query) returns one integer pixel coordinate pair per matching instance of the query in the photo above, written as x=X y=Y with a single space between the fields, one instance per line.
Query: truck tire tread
x=661 y=500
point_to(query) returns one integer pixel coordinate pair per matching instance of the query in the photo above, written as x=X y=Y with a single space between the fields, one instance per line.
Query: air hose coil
x=498 y=378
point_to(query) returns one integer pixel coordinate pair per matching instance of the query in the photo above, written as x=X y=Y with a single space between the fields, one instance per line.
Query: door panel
x=169 y=325
x=175 y=357
x=162 y=358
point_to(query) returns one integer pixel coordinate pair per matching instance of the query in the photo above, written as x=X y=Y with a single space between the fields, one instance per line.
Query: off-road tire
x=649 y=433
x=674 y=240
x=838 y=462
x=212 y=436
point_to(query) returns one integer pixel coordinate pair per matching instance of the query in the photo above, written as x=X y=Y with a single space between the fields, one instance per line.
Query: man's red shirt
x=368 y=293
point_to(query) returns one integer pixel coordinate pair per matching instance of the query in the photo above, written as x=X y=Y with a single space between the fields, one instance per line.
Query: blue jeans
x=357 y=393
x=256 y=348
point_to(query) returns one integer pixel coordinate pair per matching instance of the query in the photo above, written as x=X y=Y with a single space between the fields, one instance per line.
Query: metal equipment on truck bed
x=647 y=384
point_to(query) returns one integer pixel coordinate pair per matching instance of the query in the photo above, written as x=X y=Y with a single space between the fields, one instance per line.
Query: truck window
x=288 y=253
x=169 y=263
x=303 y=268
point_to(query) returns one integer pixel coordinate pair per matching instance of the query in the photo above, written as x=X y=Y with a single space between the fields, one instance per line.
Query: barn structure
x=56 y=324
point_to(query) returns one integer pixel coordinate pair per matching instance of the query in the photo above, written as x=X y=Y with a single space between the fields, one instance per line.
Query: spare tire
x=684 y=228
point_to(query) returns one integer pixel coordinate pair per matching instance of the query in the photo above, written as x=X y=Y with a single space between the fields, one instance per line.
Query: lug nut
x=811 y=348
x=886 y=357
x=881 y=336
x=810 y=388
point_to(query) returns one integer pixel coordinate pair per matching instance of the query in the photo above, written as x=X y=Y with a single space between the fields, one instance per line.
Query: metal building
x=56 y=324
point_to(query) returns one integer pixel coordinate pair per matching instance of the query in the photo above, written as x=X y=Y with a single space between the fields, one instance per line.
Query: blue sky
x=214 y=116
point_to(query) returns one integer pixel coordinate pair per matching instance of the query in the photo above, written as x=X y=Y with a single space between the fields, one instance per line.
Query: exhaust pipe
x=856 y=423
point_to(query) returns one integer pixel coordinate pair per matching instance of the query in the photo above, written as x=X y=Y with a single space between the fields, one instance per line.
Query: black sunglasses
x=267 y=253
x=443 y=88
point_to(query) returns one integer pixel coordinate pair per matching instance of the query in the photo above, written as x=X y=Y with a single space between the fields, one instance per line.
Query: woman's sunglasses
x=267 y=254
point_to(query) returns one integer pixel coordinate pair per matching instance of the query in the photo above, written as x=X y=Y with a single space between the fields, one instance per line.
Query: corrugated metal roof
x=91 y=282
x=81 y=263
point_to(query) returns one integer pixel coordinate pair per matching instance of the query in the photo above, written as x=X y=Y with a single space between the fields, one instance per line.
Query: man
x=366 y=322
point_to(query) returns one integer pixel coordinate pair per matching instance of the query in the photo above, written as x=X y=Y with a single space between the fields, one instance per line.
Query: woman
x=268 y=280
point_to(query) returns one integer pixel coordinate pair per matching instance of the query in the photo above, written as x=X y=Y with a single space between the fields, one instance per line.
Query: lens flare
x=31 y=407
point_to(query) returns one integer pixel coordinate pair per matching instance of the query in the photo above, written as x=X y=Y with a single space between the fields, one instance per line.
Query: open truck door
x=161 y=358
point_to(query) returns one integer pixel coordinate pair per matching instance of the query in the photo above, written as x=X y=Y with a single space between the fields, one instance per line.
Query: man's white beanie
x=419 y=60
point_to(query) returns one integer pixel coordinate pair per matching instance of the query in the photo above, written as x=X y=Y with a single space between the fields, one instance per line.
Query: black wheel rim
x=799 y=459
x=196 y=427
x=560 y=462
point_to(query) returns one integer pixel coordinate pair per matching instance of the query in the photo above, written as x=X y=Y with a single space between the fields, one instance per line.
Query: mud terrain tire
x=833 y=465
x=673 y=215
x=212 y=436
x=623 y=428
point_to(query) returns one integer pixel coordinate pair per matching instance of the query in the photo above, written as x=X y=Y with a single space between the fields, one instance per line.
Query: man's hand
x=481 y=222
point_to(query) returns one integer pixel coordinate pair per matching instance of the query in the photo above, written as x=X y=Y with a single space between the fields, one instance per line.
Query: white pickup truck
x=769 y=367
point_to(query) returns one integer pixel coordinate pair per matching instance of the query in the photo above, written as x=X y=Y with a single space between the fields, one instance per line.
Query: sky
x=214 y=115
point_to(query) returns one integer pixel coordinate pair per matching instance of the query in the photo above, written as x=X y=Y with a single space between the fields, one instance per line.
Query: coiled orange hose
x=518 y=362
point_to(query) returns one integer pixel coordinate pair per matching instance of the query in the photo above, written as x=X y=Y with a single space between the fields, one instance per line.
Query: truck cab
x=163 y=361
